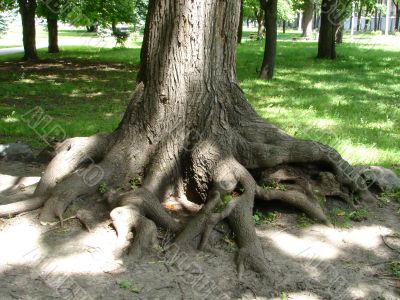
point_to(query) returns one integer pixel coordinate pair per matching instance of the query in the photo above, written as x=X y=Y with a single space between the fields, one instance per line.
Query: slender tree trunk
x=300 y=20
x=308 y=13
x=380 y=17
x=260 y=24
x=326 y=41
x=396 y=24
x=284 y=26
x=27 y=9
x=376 y=19
x=114 y=27
x=339 y=33
x=52 y=27
x=388 y=14
x=270 y=8
x=359 y=17
x=240 y=27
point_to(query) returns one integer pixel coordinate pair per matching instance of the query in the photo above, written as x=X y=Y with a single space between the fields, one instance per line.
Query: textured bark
x=27 y=9
x=190 y=133
x=270 y=8
x=52 y=27
x=326 y=41
x=308 y=13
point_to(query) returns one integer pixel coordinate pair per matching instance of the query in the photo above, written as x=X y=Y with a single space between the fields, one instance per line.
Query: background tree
x=27 y=9
x=308 y=12
x=333 y=12
x=397 y=14
x=240 y=27
x=252 y=11
x=52 y=11
x=270 y=8
x=286 y=12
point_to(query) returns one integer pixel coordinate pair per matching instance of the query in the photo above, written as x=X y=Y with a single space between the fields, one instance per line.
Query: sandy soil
x=307 y=262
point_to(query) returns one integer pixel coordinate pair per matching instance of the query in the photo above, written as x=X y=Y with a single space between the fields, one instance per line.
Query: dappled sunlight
x=303 y=247
x=18 y=239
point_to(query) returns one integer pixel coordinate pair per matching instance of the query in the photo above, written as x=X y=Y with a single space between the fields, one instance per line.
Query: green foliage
x=264 y=218
x=304 y=221
x=103 y=188
x=387 y=197
x=135 y=182
x=125 y=285
x=359 y=215
x=395 y=268
x=342 y=218
x=273 y=186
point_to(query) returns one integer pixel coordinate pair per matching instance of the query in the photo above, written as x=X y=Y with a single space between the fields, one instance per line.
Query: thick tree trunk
x=240 y=27
x=52 y=27
x=270 y=8
x=191 y=135
x=27 y=9
x=326 y=41
x=308 y=13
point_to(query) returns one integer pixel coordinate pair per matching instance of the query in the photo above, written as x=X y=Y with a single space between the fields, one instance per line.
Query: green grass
x=351 y=104
x=8 y=46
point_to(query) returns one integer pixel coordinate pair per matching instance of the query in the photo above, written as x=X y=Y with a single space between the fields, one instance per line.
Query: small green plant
x=395 y=268
x=386 y=197
x=358 y=215
x=224 y=201
x=304 y=221
x=103 y=188
x=128 y=286
x=284 y=296
x=273 y=186
x=264 y=218
x=135 y=182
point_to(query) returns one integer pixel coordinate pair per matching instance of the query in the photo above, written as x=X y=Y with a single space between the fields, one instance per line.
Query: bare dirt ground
x=308 y=261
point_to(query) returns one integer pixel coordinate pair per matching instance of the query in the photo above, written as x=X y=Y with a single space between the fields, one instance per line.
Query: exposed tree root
x=11 y=209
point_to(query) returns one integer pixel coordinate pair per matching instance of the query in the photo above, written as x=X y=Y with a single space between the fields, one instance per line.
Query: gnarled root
x=139 y=210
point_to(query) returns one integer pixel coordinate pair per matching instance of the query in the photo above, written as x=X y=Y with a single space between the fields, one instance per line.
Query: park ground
x=351 y=104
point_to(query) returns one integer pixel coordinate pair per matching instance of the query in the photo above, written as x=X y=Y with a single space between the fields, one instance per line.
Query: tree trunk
x=339 y=34
x=260 y=24
x=27 y=9
x=189 y=134
x=270 y=8
x=359 y=18
x=240 y=27
x=114 y=27
x=376 y=19
x=52 y=27
x=326 y=41
x=308 y=13
x=396 y=24
x=283 y=26
x=380 y=17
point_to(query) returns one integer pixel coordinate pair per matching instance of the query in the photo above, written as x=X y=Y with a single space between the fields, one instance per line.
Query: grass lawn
x=352 y=104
